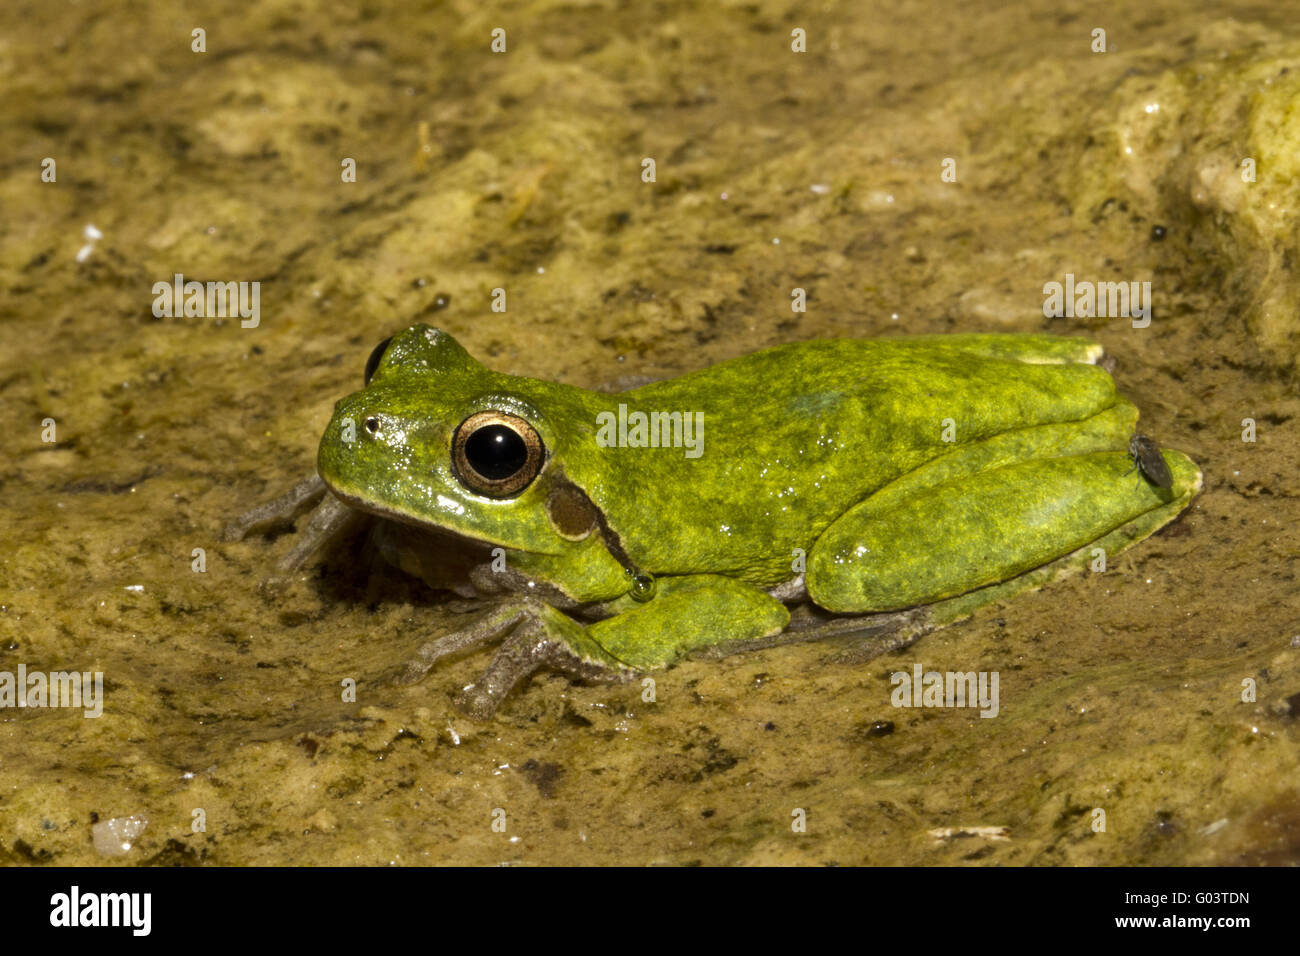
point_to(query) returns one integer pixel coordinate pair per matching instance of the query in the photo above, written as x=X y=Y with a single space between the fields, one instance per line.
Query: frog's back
x=794 y=435
x=847 y=363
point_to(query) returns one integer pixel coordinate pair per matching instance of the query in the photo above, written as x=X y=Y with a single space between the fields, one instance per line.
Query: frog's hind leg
x=986 y=528
x=867 y=636
x=1120 y=539
x=1028 y=348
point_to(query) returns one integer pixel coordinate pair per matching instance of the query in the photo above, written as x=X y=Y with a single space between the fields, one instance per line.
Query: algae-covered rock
x=1212 y=147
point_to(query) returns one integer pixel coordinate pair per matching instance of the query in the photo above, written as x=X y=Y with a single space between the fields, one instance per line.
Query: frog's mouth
x=358 y=503
x=434 y=533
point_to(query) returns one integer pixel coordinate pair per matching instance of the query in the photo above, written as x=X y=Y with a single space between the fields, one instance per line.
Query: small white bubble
x=114 y=837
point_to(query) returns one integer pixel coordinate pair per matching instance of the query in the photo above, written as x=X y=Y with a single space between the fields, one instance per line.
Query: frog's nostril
x=372 y=424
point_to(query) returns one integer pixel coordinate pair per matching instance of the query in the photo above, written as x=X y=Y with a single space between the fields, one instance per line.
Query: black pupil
x=372 y=363
x=496 y=452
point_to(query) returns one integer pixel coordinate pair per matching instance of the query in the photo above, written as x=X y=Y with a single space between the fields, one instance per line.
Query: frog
x=868 y=488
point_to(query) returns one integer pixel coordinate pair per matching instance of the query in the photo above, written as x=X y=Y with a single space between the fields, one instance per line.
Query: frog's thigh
x=688 y=614
x=1033 y=349
x=985 y=528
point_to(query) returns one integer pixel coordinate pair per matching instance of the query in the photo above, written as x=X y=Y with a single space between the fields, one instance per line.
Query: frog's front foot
x=281 y=510
x=330 y=518
x=526 y=651
x=539 y=637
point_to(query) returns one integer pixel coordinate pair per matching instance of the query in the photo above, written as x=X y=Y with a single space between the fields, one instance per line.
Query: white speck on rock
x=115 y=837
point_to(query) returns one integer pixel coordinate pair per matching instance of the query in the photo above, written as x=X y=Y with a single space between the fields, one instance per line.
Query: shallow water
x=1120 y=692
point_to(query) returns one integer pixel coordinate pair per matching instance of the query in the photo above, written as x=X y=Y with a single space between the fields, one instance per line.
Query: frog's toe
x=412 y=672
x=524 y=652
x=538 y=637
x=528 y=650
x=477 y=702
x=482 y=631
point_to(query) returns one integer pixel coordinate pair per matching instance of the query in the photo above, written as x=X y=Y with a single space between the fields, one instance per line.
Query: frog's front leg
x=282 y=509
x=686 y=614
x=329 y=519
x=539 y=637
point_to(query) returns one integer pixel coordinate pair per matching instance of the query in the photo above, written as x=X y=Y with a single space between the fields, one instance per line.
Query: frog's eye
x=496 y=454
x=372 y=363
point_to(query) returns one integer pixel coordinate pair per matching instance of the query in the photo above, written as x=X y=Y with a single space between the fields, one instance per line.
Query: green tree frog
x=877 y=487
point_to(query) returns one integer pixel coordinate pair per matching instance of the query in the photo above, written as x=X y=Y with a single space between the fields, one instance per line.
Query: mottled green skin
x=831 y=450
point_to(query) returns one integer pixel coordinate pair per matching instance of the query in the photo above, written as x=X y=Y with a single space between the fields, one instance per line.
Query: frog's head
x=437 y=440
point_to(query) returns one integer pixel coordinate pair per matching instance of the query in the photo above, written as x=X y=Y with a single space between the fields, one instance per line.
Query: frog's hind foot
x=864 y=636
